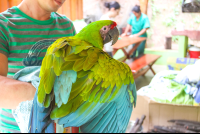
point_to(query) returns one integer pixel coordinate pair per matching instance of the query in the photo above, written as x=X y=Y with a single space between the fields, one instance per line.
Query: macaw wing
x=99 y=117
x=104 y=88
x=52 y=63
x=92 y=82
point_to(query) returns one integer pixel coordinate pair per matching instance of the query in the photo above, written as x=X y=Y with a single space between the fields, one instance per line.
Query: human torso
x=19 y=34
x=137 y=24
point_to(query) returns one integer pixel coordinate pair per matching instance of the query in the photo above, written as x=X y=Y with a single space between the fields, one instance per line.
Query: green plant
x=175 y=39
x=149 y=33
x=155 y=9
x=170 y=20
x=176 y=11
x=197 y=19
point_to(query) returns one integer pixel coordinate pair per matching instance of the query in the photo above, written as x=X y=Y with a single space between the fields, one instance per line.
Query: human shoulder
x=144 y=16
x=64 y=21
x=4 y=16
x=61 y=17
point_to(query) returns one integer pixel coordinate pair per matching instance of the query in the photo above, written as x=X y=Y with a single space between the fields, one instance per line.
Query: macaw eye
x=104 y=28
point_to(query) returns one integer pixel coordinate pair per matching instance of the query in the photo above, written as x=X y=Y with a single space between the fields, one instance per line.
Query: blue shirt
x=138 y=25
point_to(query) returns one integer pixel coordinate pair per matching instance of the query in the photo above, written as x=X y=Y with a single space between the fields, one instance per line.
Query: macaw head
x=99 y=33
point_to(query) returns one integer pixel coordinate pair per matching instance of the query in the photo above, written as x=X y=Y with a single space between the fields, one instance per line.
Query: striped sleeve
x=73 y=29
x=4 y=49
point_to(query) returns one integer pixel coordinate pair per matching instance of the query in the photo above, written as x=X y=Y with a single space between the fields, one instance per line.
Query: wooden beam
x=14 y=3
x=73 y=9
x=144 y=6
x=67 y=9
x=4 y=5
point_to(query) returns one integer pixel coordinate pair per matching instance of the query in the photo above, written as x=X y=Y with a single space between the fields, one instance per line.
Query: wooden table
x=137 y=66
x=126 y=41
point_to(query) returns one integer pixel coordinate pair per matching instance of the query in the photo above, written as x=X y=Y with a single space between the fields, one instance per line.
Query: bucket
x=194 y=52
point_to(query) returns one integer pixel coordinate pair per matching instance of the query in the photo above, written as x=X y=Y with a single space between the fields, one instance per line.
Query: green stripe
x=2 y=38
x=21 y=43
x=7 y=110
x=9 y=126
x=5 y=28
x=22 y=17
x=33 y=23
x=74 y=33
x=7 y=118
x=15 y=67
x=21 y=59
x=38 y=36
x=24 y=51
x=4 y=50
x=5 y=36
x=4 y=45
x=34 y=29
x=10 y=74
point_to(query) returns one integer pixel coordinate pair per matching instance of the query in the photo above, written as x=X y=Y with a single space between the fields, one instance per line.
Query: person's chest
x=137 y=24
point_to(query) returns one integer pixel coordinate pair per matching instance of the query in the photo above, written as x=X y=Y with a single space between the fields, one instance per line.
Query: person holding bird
x=21 y=27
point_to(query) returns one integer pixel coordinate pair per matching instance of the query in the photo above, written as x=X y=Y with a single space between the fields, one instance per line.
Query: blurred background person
x=139 y=24
x=114 y=9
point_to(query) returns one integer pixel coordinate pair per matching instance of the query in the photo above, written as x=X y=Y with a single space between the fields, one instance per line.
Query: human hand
x=124 y=34
x=134 y=35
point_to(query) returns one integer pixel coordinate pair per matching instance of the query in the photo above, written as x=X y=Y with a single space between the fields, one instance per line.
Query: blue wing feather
x=105 y=117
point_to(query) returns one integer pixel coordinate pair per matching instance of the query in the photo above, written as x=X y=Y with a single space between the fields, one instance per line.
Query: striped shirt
x=18 y=33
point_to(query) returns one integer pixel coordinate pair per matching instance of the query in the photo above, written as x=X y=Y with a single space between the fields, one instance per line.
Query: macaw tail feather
x=39 y=121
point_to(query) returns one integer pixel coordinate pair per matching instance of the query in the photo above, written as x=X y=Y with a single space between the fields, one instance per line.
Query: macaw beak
x=112 y=35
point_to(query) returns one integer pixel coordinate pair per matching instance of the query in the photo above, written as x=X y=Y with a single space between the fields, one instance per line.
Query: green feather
x=57 y=63
x=83 y=73
x=78 y=65
x=68 y=51
x=47 y=101
x=72 y=57
x=67 y=66
x=49 y=80
x=94 y=92
x=41 y=93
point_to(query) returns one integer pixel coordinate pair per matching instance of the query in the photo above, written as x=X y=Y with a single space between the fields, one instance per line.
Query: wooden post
x=14 y=3
x=144 y=6
x=4 y=5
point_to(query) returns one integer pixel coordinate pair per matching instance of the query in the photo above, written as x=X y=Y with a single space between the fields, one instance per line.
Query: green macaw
x=82 y=86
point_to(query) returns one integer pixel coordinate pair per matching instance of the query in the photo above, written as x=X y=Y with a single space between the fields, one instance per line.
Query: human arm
x=141 y=32
x=126 y=30
x=12 y=92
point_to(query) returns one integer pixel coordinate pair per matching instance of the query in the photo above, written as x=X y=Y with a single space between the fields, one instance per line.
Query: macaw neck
x=92 y=38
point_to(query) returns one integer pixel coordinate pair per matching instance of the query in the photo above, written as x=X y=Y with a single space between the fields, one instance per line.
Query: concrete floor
x=145 y=80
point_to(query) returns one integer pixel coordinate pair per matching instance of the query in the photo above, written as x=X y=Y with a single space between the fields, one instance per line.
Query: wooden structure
x=125 y=42
x=138 y=65
x=144 y=6
x=73 y=9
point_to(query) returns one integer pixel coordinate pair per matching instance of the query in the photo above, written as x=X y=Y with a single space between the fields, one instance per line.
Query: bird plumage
x=89 y=89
